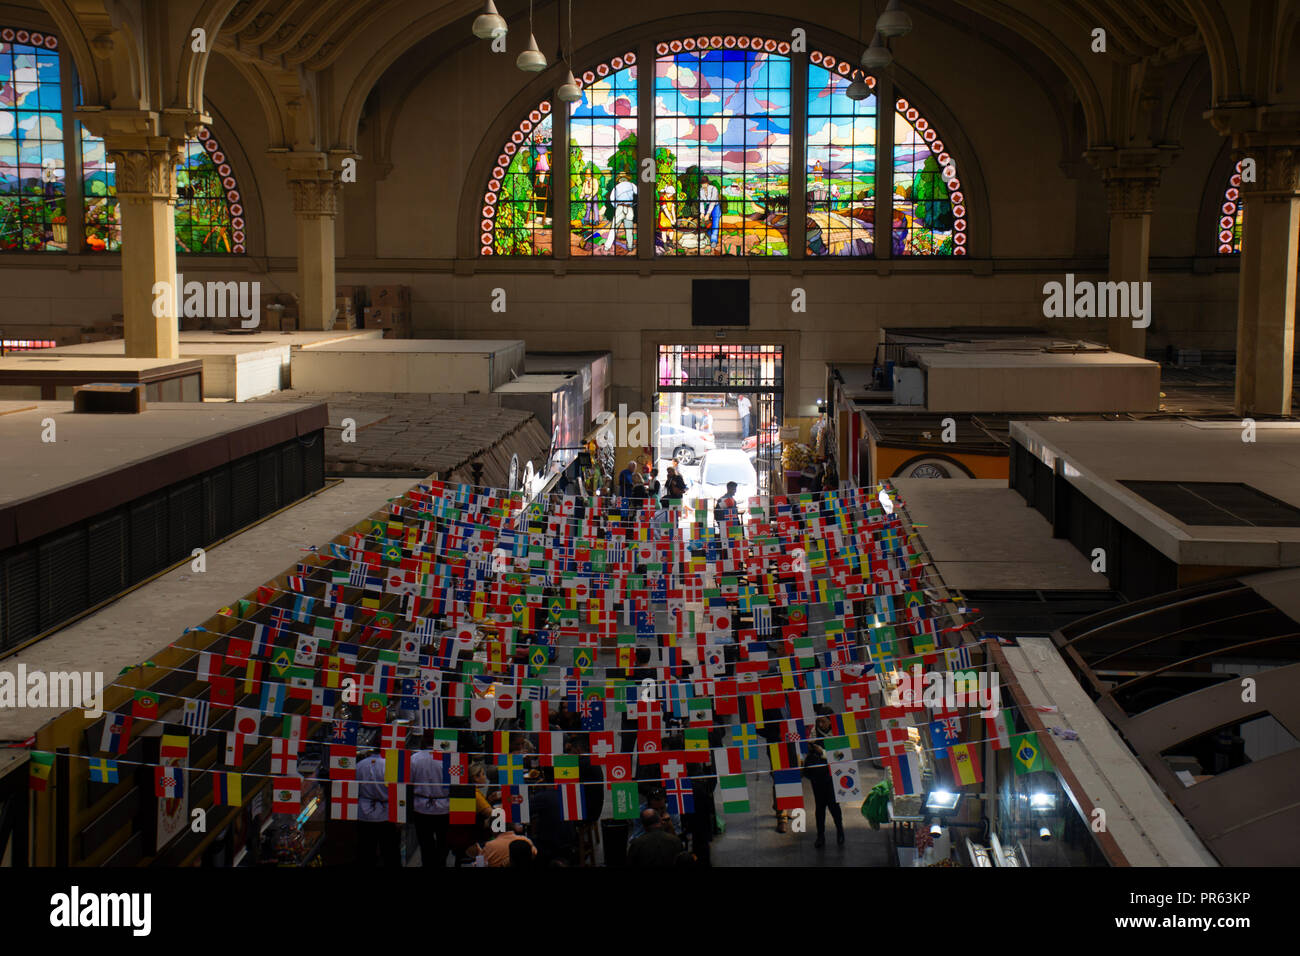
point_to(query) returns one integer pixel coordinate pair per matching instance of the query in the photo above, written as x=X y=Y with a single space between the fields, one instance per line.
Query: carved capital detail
x=1277 y=173
x=316 y=196
x=146 y=173
x=1130 y=192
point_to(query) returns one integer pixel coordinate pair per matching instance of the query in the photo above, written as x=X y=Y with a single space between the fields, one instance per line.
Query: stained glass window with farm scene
x=929 y=208
x=603 y=161
x=517 y=207
x=841 y=161
x=209 y=208
x=33 y=210
x=722 y=147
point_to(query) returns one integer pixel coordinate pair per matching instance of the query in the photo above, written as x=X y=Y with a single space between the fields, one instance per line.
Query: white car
x=721 y=466
x=687 y=445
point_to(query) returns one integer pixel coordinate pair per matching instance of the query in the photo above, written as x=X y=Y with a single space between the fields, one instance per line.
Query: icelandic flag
x=680 y=798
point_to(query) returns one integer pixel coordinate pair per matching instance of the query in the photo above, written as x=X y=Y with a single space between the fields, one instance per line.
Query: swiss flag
x=602 y=747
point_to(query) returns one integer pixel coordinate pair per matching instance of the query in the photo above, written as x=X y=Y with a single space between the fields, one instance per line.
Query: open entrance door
x=720 y=409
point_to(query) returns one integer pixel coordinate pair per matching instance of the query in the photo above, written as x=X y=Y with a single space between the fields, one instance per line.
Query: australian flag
x=593 y=714
x=345 y=732
x=944 y=733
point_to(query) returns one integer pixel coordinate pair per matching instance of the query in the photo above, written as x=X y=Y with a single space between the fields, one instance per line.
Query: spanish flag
x=965 y=764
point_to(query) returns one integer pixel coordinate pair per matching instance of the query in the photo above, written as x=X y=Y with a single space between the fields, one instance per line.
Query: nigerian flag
x=735 y=793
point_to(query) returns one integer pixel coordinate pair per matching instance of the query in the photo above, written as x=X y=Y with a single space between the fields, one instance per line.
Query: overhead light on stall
x=489 y=24
x=894 y=22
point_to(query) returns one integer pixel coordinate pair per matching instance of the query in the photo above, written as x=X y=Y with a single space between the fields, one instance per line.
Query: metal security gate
x=721 y=397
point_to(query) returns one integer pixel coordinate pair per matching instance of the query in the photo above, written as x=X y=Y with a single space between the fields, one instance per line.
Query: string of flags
x=467 y=600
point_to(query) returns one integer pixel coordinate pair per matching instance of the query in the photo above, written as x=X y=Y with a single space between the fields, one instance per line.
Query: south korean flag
x=847 y=784
x=408 y=652
x=715 y=663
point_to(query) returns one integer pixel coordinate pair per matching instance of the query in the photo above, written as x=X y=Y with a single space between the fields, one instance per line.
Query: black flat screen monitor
x=720 y=302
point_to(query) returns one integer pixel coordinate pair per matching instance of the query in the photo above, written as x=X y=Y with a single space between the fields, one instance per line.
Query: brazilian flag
x=1027 y=753
x=537 y=659
x=582 y=659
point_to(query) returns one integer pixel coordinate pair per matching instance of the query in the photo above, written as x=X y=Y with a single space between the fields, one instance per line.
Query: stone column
x=146 y=194
x=315 y=206
x=1130 y=192
x=1267 y=285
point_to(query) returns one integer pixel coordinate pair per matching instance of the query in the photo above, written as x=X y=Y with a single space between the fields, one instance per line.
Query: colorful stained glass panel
x=841 y=163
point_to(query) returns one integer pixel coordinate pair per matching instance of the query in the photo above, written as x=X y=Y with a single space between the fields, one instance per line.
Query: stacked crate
x=390 y=310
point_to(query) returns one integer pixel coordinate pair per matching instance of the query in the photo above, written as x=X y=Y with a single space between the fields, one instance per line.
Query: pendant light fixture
x=532 y=60
x=894 y=22
x=877 y=56
x=489 y=24
x=858 y=89
x=569 y=91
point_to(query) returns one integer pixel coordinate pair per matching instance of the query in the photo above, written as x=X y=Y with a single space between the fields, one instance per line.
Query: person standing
x=655 y=847
x=743 y=408
x=622 y=198
x=710 y=210
x=431 y=806
x=589 y=192
x=377 y=837
x=818 y=773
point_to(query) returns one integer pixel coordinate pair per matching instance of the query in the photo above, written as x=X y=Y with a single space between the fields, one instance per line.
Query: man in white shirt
x=710 y=211
x=431 y=806
x=376 y=836
x=622 y=198
x=742 y=409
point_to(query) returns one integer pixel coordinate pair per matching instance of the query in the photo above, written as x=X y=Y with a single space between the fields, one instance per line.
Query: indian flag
x=735 y=793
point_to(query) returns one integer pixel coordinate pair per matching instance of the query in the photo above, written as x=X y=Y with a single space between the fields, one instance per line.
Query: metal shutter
x=313 y=463
x=185 y=521
x=148 y=537
x=63 y=561
x=268 y=481
x=243 y=492
x=291 y=471
x=220 y=504
x=106 y=547
x=21 y=607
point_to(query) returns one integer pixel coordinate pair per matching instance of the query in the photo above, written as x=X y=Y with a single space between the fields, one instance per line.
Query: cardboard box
x=395 y=296
x=378 y=317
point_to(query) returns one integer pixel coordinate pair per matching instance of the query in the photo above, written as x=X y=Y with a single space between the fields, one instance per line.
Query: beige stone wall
x=427 y=120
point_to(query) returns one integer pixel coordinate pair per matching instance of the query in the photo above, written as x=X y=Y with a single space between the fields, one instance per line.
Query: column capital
x=1130 y=191
x=145 y=167
x=1277 y=170
x=315 y=193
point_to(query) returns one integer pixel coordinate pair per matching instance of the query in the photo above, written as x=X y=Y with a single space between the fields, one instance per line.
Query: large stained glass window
x=841 y=161
x=33 y=210
x=517 y=214
x=929 y=208
x=721 y=121
x=1230 y=216
x=209 y=209
x=722 y=147
x=603 y=161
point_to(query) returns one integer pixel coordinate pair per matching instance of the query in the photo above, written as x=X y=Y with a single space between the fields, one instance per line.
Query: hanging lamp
x=876 y=56
x=894 y=22
x=532 y=60
x=489 y=24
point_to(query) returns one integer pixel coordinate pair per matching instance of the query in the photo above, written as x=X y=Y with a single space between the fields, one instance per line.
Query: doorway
x=719 y=411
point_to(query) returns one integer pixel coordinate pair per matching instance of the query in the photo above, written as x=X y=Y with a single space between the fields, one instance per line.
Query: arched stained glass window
x=841 y=164
x=721 y=121
x=722 y=147
x=1230 y=216
x=929 y=208
x=33 y=206
x=517 y=205
x=209 y=208
x=602 y=154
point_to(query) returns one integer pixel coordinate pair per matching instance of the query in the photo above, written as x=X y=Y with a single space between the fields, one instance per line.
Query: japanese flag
x=506 y=701
x=247 y=721
x=483 y=714
x=464 y=638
